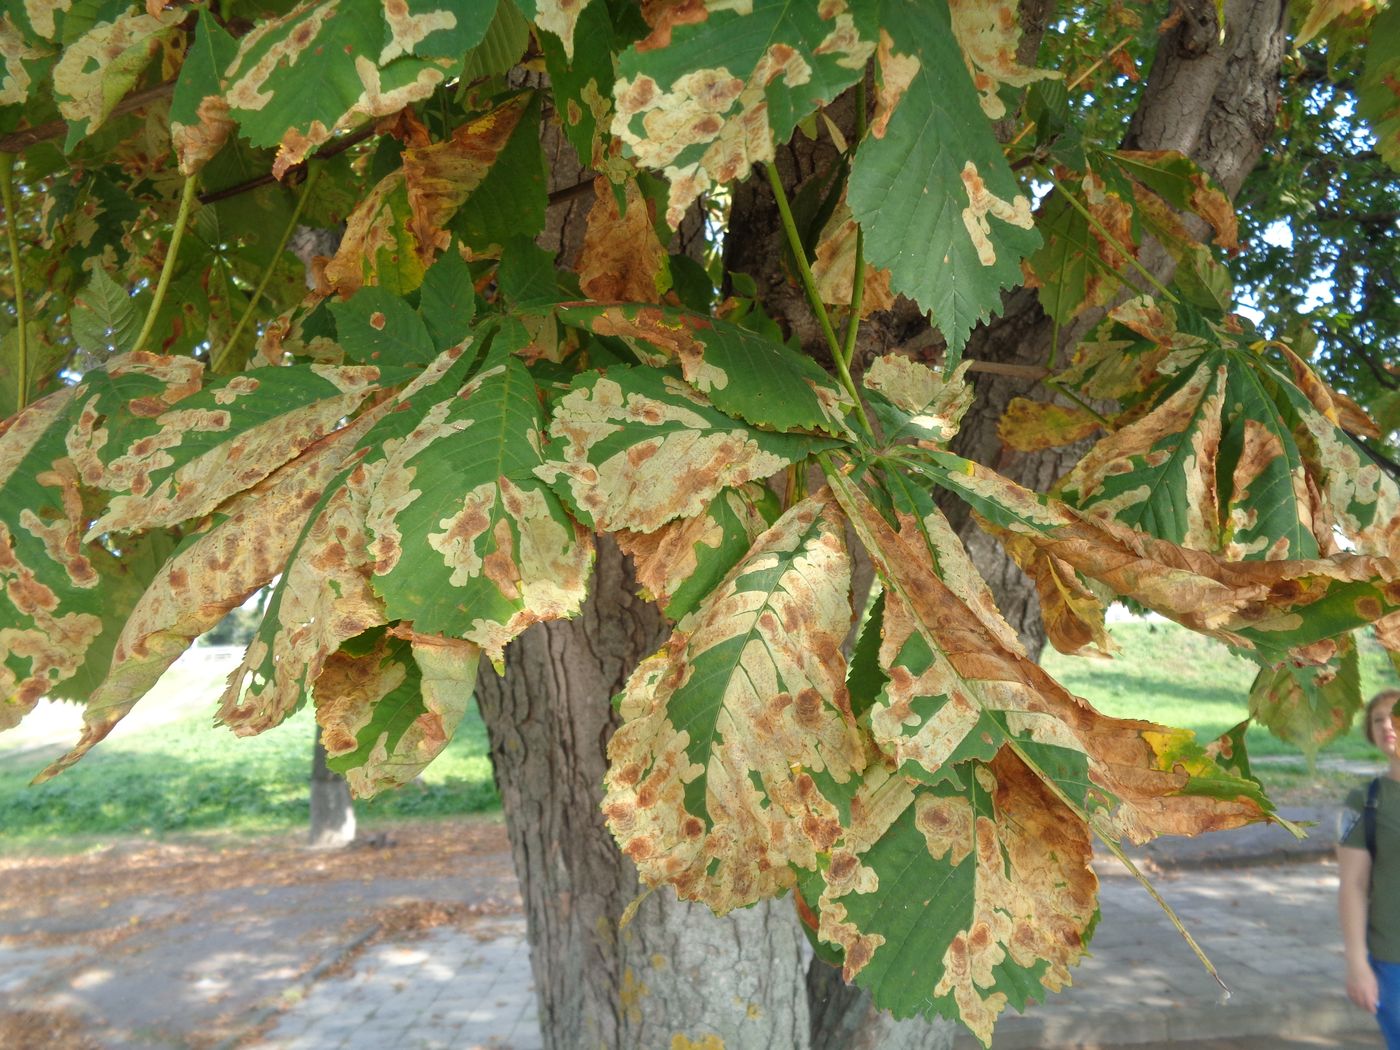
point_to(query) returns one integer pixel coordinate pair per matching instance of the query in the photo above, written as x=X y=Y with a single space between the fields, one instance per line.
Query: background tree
x=961 y=297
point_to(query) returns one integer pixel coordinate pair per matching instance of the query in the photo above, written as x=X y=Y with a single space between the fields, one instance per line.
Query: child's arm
x=1352 y=903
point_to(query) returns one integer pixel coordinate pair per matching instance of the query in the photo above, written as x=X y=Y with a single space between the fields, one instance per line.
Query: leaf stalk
x=221 y=358
x=809 y=285
x=7 y=192
x=167 y=271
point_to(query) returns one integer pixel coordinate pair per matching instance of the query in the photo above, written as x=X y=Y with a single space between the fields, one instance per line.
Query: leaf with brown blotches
x=956 y=900
x=835 y=264
x=989 y=33
x=1224 y=452
x=1309 y=707
x=389 y=701
x=209 y=576
x=914 y=402
x=734 y=735
x=440 y=176
x=1032 y=426
x=1278 y=609
x=465 y=540
x=634 y=448
x=681 y=562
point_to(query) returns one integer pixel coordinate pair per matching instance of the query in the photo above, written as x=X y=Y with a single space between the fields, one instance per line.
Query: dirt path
x=168 y=945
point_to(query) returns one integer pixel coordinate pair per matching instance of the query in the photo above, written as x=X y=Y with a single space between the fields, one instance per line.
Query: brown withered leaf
x=1282 y=609
x=835 y=264
x=735 y=731
x=622 y=257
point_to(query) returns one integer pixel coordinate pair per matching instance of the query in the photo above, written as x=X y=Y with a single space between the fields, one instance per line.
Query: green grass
x=174 y=774
x=185 y=776
x=1170 y=675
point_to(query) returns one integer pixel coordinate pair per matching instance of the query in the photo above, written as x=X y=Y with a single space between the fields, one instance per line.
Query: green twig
x=1057 y=386
x=809 y=285
x=172 y=253
x=7 y=190
x=221 y=358
x=858 y=274
x=1117 y=245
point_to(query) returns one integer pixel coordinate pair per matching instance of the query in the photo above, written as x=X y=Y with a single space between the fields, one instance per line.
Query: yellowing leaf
x=1030 y=426
x=912 y=400
x=733 y=733
x=834 y=267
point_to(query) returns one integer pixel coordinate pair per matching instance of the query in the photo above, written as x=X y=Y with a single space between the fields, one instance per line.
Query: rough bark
x=674 y=969
x=332 y=823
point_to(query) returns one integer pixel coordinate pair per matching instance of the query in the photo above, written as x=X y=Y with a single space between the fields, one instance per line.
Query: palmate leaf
x=329 y=64
x=735 y=734
x=930 y=187
x=466 y=540
x=680 y=563
x=994 y=761
x=1229 y=455
x=1275 y=610
x=141 y=444
x=636 y=447
x=739 y=371
x=765 y=67
x=388 y=702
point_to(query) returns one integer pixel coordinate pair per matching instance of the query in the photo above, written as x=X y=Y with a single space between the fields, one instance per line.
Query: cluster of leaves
x=415 y=458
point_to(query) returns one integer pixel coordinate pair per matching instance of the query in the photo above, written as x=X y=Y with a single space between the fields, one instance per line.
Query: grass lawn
x=167 y=771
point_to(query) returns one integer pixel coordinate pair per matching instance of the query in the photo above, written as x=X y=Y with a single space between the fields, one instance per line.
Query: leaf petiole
x=809 y=285
x=313 y=169
x=7 y=189
x=177 y=234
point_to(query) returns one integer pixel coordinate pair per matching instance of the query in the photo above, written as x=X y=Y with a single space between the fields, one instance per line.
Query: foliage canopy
x=416 y=457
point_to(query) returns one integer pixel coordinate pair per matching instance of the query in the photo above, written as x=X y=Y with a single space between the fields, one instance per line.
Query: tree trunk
x=332 y=809
x=674 y=969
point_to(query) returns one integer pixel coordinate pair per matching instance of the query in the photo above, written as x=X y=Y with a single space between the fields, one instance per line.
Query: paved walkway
x=289 y=971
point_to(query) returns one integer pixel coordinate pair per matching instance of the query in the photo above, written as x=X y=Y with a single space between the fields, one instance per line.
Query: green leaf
x=634 y=448
x=1378 y=92
x=741 y=372
x=766 y=66
x=1309 y=707
x=375 y=326
x=447 y=299
x=105 y=320
x=736 y=732
x=500 y=49
x=467 y=542
x=582 y=83
x=940 y=208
